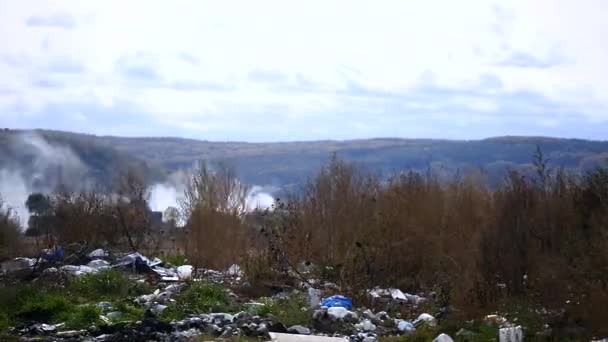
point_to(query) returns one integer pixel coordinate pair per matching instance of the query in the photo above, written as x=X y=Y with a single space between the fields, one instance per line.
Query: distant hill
x=290 y=163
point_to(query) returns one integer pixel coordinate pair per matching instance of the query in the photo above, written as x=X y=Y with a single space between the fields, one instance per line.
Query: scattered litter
x=425 y=319
x=78 y=270
x=47 y=328
x=98 y=254
x=497 y=321
x=185 y=272
x=138 y=262
x=114 y=315
x=338 y=301
x=398 y=295
x=99 y=264
x=52 y=254
x=512 y=334
x=337 y=312
x=443 y=338
x=314 y=297
x=405 y=326
x=158 y=308
x=235 y=271
x=366 y=325
x=281 y=337
x=298 y=329
x=104 y=306
x=17 y=265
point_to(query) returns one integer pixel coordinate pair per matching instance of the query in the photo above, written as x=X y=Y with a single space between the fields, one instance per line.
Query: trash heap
x=331 y=314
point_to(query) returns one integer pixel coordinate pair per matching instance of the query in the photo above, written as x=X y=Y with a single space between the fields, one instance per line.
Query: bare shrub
x=214 y=204
x=10 y=232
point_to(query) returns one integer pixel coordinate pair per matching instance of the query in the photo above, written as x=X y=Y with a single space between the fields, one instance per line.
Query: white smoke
x=163 y=196
x=171 y=192
x=14 y=193
x=259 y=198
x=49 y=164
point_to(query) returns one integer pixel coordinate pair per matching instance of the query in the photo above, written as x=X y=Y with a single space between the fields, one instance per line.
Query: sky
x=306 y=70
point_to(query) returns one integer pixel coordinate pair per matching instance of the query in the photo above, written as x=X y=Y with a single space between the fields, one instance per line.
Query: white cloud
x=180 y=64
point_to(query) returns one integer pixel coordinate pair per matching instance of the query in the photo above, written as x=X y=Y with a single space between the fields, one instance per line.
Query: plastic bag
x=338 y=301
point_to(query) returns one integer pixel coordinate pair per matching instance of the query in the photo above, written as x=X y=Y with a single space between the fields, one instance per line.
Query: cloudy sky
x=286 y=70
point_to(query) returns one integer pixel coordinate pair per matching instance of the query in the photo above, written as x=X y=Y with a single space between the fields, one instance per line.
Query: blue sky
x=305 y=70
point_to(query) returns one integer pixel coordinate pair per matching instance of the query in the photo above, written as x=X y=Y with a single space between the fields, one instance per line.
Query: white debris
x=425 y=318
x=398 y=295
x=443 y=338
x=185 y=272
x=405 y=326
x=314 y=297
x=50 y=327
x=17 y=264
x=414 y=299
x=99 y=264
x=496 y=320
x=278 y=337
x=235 y=271
x=98 y=254
x=337 y=312
x=78 y=270
x=367 y=325
x=512 y=334
x=158 y=308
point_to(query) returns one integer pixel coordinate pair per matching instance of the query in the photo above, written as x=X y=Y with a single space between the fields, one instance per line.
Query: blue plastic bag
x=53 y=254
x=338 y=301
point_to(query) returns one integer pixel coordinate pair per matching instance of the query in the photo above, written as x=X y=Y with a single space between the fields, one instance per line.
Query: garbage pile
x=331 y=314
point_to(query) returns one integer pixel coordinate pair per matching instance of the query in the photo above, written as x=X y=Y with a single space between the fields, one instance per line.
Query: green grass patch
x=43 y=306
x=82 y=317
x=40 y=303
x=106 y=285
x=199 y=297
x=5 y=321
x=290 y=311
x=130 y=312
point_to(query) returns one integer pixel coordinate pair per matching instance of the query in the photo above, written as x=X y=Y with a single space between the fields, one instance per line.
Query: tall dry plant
x=213 y=207
x=10 y=232
x=130 y=208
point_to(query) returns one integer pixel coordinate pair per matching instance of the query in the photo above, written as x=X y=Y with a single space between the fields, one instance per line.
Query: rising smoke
x=36 y=166
x=39 y=166
x=170 y=193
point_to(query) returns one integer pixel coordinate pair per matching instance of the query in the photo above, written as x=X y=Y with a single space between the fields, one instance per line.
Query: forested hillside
x=291 y=163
